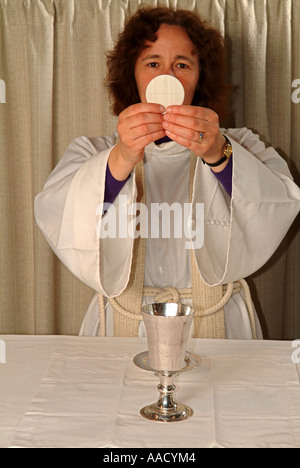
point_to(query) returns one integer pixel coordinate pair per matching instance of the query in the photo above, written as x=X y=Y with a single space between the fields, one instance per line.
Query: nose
x=171 y=72
x=168 y=70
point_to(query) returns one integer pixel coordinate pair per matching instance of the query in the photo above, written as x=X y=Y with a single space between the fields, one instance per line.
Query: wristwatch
x=227 y=152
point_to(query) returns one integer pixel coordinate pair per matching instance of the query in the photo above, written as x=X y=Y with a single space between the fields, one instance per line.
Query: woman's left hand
x=196 y=128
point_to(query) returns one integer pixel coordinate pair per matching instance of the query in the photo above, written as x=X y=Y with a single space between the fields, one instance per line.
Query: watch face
x=165 y=90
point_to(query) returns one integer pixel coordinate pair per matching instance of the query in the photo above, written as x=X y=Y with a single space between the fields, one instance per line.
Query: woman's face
x=173 y=53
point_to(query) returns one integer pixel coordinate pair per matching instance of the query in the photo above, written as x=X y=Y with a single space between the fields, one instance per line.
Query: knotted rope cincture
x=170 y=294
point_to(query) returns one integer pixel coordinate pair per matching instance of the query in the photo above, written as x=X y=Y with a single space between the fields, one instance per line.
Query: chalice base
x=153 y=412
x=166 y=409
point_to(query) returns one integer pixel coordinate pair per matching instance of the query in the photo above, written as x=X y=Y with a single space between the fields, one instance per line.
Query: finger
x=190 y=123
x=145 y=129
x=184 y=132
x=141 y=108
x=198 y=148
x=191 y=130
x=193 y=111
x=144 y=140
x=138 y=124
x=193 y=119
x=143 y=119
x=129 y=131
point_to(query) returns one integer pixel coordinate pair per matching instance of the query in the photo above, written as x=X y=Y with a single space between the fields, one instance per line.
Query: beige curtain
x=52 y=66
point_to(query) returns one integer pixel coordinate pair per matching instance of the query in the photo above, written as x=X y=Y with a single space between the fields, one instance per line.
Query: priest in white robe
x=247 y=193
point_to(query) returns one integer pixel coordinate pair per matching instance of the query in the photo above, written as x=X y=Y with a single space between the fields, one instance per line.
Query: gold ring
x=201 y=135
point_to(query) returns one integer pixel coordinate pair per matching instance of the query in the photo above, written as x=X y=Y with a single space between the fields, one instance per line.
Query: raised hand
x=138 y=126
x=196 y=128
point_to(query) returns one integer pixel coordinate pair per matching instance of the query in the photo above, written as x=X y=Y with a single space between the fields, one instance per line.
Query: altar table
x=68 y=391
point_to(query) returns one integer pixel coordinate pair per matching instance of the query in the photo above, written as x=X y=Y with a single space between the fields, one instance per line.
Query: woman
x=174 y=156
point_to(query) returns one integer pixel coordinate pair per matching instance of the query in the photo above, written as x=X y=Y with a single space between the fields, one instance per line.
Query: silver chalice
x=167 y=328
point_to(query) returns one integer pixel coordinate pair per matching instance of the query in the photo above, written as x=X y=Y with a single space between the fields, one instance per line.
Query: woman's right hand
x=138 y=126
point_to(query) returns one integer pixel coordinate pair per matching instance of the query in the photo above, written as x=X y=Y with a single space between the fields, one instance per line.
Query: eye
x=152 y=64
x=182 y=65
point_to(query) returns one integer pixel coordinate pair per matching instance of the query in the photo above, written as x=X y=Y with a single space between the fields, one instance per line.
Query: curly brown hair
x=211 y=90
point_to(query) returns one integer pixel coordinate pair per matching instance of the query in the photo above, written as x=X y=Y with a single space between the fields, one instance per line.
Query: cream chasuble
x=208 y=301
x=240 y=233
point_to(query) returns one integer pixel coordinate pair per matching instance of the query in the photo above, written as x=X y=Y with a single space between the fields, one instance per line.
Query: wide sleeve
x=242 y=233
x=69 y=211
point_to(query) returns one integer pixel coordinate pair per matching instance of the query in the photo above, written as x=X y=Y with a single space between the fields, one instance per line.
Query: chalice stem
x=166 y=389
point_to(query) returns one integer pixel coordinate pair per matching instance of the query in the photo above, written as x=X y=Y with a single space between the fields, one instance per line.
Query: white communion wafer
x=165 y=90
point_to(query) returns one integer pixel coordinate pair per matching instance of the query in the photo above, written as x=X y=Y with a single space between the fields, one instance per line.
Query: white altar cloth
x=63 y=391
